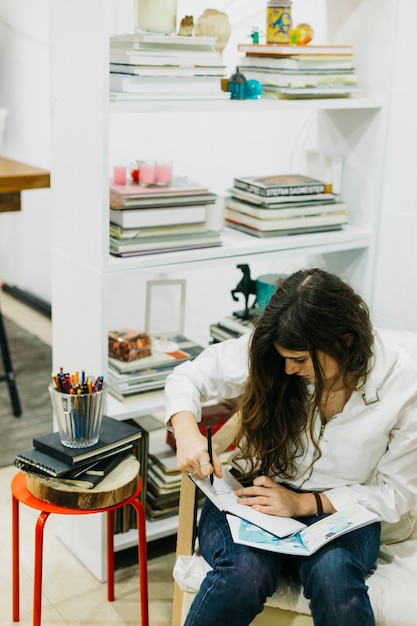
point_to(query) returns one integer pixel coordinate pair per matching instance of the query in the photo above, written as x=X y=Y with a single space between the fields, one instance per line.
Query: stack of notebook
x=81 y=467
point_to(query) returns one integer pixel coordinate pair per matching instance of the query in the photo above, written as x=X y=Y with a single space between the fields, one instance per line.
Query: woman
x=329 y=419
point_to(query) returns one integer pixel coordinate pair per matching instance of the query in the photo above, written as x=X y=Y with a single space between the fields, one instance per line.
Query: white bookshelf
x=211 y=142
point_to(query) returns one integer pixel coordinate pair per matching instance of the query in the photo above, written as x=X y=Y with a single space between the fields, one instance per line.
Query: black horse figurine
x=247 y=286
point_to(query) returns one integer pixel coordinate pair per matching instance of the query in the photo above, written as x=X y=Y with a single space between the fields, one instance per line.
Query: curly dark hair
x=314 y=311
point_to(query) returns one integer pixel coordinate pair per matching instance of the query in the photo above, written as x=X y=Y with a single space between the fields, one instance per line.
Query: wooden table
x=16 y=177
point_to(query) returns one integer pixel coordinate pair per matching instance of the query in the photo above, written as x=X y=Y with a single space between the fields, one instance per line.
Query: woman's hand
x=267 y=496
x=192 y=448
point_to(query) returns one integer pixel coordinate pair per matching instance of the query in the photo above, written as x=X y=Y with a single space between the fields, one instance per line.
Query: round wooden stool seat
x=119 y=485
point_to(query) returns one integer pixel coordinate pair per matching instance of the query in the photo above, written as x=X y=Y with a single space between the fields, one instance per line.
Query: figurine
x=247 y=286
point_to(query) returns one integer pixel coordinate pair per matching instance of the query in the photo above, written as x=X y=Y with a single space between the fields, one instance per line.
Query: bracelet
x=319 y=503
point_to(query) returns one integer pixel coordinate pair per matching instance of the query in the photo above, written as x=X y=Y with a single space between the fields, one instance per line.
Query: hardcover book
x=294 y=210
x=36 y=462
x=113 y=435
x=275 y=202
x=281 y=185
x=326 y=218
x=159 y=217
x=289 y=50
x=179 y=186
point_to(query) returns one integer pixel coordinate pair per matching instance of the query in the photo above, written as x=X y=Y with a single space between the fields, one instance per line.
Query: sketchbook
x=221 y=493
x=278 y=534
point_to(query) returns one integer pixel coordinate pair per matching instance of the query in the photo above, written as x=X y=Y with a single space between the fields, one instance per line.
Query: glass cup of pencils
x=78 y=404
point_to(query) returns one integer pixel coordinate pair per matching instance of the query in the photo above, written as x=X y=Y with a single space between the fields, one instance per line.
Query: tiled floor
x=71 y=595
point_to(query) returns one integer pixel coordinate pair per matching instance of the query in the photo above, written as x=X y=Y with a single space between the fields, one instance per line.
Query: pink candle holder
x=146 y=173
x=163 y=172
x=119 y=175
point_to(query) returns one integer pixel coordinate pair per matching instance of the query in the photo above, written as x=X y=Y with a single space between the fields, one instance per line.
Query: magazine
x=279 y=534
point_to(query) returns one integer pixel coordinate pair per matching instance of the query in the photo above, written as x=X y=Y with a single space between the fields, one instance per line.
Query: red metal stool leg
x=143 y=561
x=110 y=556
x=37 y=583
x=15 y=560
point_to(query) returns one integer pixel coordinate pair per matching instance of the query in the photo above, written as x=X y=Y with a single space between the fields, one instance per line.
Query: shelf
x=239 y=246
x=154 y=531
x=263 y=104
x=142 y=405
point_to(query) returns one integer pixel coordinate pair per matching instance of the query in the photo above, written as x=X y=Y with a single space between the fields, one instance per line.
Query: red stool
x=21 y=494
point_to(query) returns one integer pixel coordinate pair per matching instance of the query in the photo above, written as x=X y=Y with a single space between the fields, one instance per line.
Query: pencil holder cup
x=78 y=417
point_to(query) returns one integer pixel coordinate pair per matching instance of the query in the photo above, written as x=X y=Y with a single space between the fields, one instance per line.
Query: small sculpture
x=213 y=23
x=247 y=286
x=186 y=26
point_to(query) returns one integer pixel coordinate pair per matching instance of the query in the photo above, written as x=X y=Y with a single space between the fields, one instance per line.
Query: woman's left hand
x=267 y=496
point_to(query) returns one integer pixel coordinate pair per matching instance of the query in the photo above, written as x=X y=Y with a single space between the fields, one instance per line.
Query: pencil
x=210 y=451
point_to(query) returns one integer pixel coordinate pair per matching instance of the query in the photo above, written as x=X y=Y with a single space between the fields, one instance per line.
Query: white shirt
x=369 y=450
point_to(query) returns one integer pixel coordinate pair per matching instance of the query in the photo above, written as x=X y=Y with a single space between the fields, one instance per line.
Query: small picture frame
x=165 y=308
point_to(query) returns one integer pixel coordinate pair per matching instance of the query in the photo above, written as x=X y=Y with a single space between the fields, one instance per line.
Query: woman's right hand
x=192 y=447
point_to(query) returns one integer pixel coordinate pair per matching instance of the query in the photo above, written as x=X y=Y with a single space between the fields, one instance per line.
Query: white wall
x=395 y=293
x=24 y=91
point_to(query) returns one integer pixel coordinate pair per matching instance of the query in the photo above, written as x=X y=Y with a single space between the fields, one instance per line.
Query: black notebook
x=113 y=434
x=36 y=462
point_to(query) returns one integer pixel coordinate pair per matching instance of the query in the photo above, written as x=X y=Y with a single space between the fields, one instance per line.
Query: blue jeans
x=235 y=591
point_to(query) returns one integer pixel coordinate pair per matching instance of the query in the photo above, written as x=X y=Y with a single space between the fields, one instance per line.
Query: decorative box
x=128 y=344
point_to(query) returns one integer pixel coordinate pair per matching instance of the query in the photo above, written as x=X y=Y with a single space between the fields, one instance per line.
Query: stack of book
x=147 y=66
x=266 y=206
x=126 y=379
x=145 y=220
x=291 y=71
x=163 y=488
x=82 y=467
x=230 y=327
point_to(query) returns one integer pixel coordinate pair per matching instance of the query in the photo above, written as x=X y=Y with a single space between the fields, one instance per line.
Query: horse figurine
x=247 y=286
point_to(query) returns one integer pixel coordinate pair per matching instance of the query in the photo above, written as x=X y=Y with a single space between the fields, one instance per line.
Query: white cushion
x=391 y=584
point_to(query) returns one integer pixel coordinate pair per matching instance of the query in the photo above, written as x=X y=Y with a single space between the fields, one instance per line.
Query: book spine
x=270 y=192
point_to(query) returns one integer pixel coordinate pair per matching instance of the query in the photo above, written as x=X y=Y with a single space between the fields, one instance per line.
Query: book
x=169 y=96
x=118 y=203
x=233 y=206
x=168 y=70
x=285 y=78
x=113 y=434
x=158 y=217
x=157 y=231
x=157 y=96
x=131 y=83
x=159 y=57
x=91 y=475
x=288 y=50
x=284 y=232
x=306 y=541
x=289 y=531
x=299 y=62
x=275 y=202
x=310 y=92
x=35 y=461
x=166 y=243
x=221 y=493
x=152 y=41
x=180 y=186
x=285 y=223
x=280 y=185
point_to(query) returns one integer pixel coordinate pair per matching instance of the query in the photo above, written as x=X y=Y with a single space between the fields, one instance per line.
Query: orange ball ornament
x=303 y=34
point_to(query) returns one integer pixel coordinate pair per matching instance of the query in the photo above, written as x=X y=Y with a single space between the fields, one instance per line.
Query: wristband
x=319 y=503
